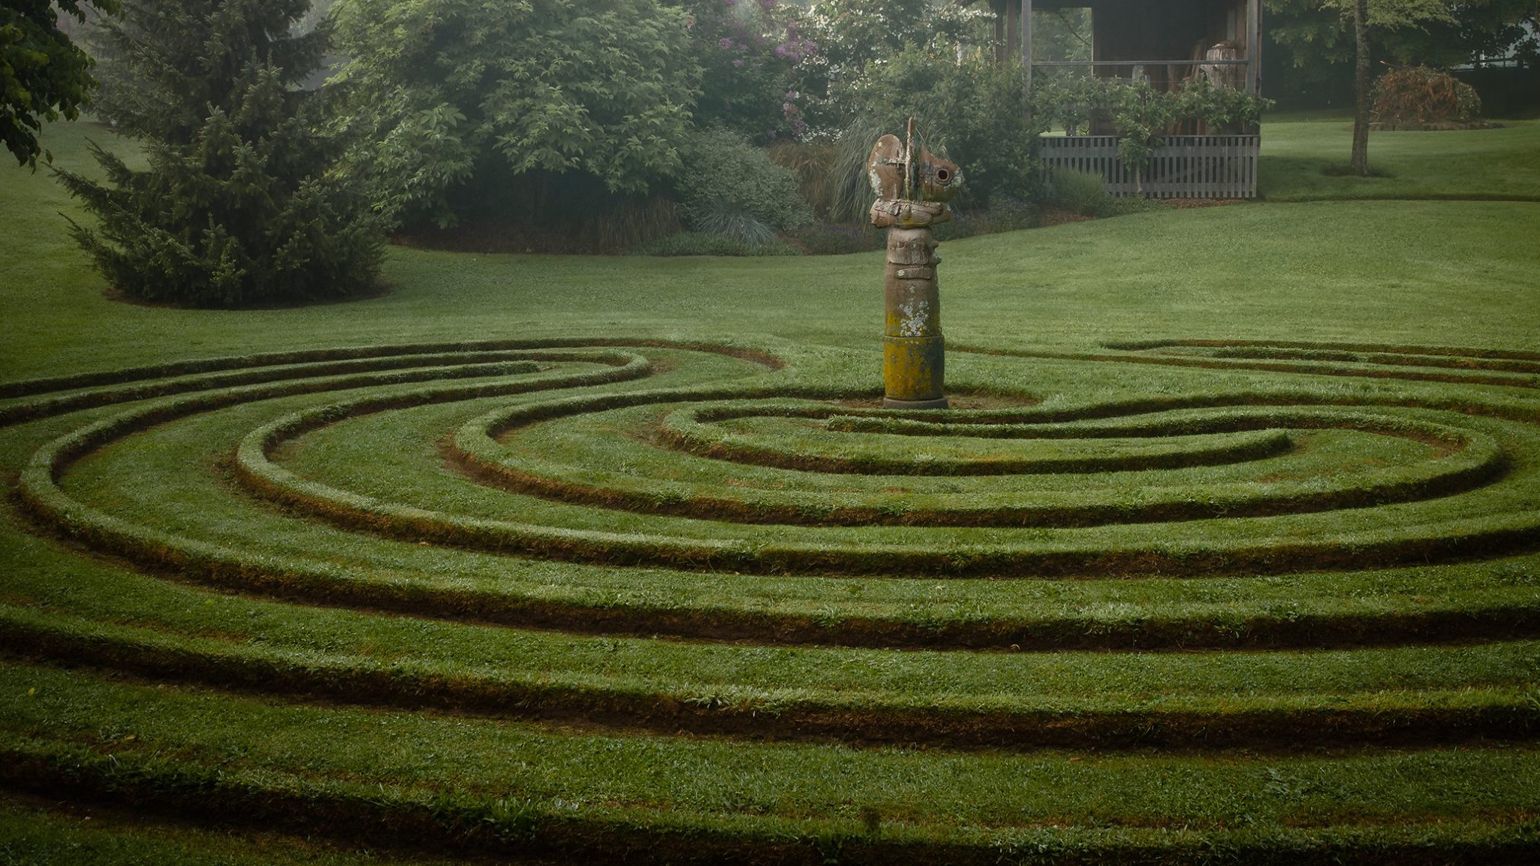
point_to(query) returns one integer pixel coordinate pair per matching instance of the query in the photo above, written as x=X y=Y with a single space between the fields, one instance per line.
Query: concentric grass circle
x=649 y=539
x=702 y=478
x=1468 y=459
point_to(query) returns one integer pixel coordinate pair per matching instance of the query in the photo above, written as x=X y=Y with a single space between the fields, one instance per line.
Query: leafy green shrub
x=1222 y=109
x=726 y=182
x=975 y=111
x=1079 y=192
x=1141 y=114
x=747 y=53
x=706 y=244
x=1416 y=97
x=442 y=93
x=1067 y=100
x=1135 y=104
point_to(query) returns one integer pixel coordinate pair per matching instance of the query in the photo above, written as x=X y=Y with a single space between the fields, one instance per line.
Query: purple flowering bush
x=748 y=51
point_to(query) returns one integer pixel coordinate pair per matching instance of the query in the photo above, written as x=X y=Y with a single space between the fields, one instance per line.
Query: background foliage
x=614 y=124
x=1140 y=114
x=460 y=97
x=43 y=75
x=748 y=53
x=732 y=188
x=1309 y=48
x=973 y=110
x=854 y=38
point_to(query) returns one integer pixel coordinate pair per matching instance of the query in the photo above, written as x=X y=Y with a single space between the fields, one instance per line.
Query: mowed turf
x=1414 y=272
x=1227 y=553
x=1306 y=160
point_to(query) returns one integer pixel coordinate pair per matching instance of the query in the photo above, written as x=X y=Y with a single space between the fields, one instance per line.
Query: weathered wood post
x=911 y=189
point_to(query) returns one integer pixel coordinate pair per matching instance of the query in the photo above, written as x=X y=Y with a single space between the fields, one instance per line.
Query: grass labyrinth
x=1181 y=598
x=597 y=535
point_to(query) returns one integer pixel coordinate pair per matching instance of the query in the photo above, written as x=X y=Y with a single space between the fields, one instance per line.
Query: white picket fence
x=1185 y=166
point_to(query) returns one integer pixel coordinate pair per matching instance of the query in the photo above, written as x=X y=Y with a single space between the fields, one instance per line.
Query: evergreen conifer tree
x=240 y=204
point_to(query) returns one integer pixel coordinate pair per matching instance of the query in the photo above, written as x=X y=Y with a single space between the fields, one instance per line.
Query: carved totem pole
x=912 y=187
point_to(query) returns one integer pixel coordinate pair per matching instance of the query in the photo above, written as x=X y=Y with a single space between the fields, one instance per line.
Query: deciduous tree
x=450 y=95
x=43 y=75
x=855 y=38
x=1364 y=18
x=1314 y=45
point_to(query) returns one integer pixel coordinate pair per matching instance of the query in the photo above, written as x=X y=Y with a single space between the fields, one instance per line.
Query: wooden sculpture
x=912 y=186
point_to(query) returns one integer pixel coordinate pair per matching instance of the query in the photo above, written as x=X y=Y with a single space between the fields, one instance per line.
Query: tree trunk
x=1360 y=162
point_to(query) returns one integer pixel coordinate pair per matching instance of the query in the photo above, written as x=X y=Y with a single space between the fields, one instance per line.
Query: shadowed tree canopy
x=1314 y=39
x=450 y=93
x=43 y=75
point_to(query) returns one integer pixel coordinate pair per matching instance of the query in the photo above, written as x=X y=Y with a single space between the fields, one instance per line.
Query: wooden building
x=1166 y=42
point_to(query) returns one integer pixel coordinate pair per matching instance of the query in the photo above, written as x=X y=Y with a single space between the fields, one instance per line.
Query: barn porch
x=1167 y=43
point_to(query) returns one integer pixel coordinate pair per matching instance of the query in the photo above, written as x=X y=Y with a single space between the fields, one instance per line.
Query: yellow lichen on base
x=913 y=366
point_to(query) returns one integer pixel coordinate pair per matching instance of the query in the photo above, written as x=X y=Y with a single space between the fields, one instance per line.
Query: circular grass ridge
x=1479 y=460
x=644 y=539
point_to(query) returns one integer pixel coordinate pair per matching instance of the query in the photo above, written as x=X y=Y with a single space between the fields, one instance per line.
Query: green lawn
x=33 y=834
x=1311 y=271
x=1228 y=553
x=1497 y=164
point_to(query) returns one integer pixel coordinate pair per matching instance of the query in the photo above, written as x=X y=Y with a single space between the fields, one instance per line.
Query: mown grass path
x=1230 y=552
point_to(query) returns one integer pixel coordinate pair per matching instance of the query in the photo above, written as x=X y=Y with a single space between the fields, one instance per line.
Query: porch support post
x=1012 y=14
x=1026 y=39
x=1254 y=47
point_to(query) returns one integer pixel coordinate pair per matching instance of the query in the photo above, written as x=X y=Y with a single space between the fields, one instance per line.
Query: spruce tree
x=240 y=204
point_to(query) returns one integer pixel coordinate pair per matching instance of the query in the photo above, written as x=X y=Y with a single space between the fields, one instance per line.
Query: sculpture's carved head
x=936 y=178
x=939 y=177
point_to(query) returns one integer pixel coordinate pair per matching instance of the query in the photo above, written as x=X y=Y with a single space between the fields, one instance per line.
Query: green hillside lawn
x=1498 y=164
x=1323 y=271
x=1227 y=553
